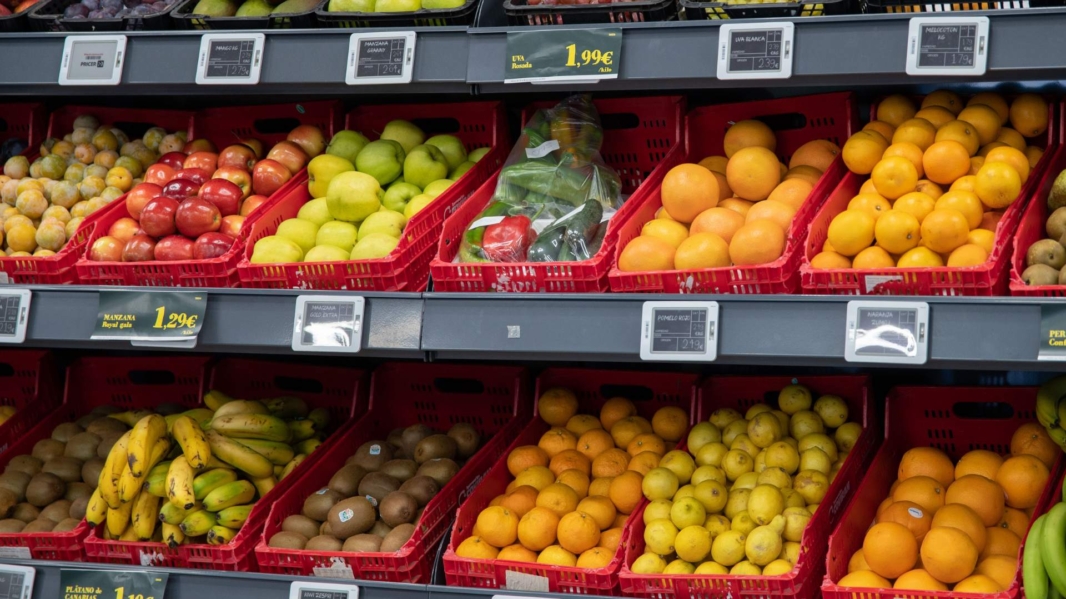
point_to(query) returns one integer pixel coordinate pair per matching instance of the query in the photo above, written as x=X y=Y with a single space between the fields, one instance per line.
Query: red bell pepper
x=509 y=239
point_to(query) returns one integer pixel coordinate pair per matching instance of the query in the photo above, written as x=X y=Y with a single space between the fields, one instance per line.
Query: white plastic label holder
x=328 y=324
x=955 y=45
x=380 y=58
x=756 y=50
x=887 y=332
x=92 y=60
x=14 y=314
x=230 y=59
x=681 y=331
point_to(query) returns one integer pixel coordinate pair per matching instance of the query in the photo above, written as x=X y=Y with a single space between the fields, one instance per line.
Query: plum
x=75 y=10
x=91 y=4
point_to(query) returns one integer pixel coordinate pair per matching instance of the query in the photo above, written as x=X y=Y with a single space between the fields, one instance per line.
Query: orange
x=792 y=192
x=961 y=517
x=570 y=459
x=927 y=461
x=778 y=212
x=909 y=151
x=1034 y=154
x=517 y=553
x=1032 y=439
x=595 y=442
x=600 y=508
x=1029 y=115
x=804 y=173
x=476 y=548
x=918 y=580
x=923 y=490
x=578 y=532
x=984 y=119
x=723 y=222
x=990 y=221
x=610 y=538
x=1001 y=542
x=1012 y=156
x=985 y=149
x=872 y=203
x=944 y=230
x=625 y=492
x=979 y=461
x=556 y=406
x=724 y=191
x=944 y=98
x=497 y=500
x=819 y=153
x=857 y=562
x=919 y=257
x=576 y=480
x=556 y=441
x=965 y=202
x=662 y=214
x=579 y=424
x=737 y=205
x=929 y=188
x=646 y=254
x=521 y=500
x=945 y=161
x=894 y=176
x=610 y=463
x=881 y=127
x=894 y=110
x=745 y=134
x=978 y=583
x=961 y=132
x=626 y=429
x=752 y=174
x=524 y=457
x=498 y=526
x=890 y=549
x=557 y=556
x=595 y=558
x=558 y=498
x=863 y=150
x=967 y=255
x=536 y=530
x=864 y=579
x=670 y=423
x=1000 y=568
x=702 y=250
x=897 y=231
x=909 y=514
x=830 y=261
x=615 y=409
x=868 y=187
x=646 y=442
x=976 y=162
x=982 y=238
x=1012 y=138
x=538 y=477
x=851 y=231
x=937 y=115
x=993 y=101
x=916 y=203
x=917 y=131
x=948 y=554
x=872 y=258
x=1023 y=478
x=643 y=462
x=687 y=190
x=998 y=184
x=670 y=231
x=601 y=486
x=757 y=242
x=715 y=164
x=966 y=183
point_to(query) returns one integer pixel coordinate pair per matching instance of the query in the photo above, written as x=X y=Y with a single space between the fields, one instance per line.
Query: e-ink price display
x=92 y=60
x=761 y=51
x=328 y=323
x=322 y=590
x=378 y=58
x=14 y=315
x=679 y=331
x=887 y=332
x=947 y=46
x=16 y=582
x=230 y=58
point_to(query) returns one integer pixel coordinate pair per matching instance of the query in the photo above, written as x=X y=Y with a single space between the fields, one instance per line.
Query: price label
x=562 y=56
x=112 y=584
x=887 y=332
x=1052 y=346
x=755 y=51
x=947 y=46
x=230 y=59
x=14 y=315
x=380 y=58
x=328 y=323
x=150 y=315
x=679 y=331
x=322 y=590
x=16 y=582
x=92 y=60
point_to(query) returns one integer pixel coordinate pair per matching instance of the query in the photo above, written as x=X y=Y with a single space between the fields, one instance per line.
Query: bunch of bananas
x=1051 y=409
x=1044 y=560
x=195 y=476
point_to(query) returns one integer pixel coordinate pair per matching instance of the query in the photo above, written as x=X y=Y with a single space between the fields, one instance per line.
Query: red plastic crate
x=989 y=278
x=491 y=398
x=29 y=381
x=127 y=383
x=25 y=120
x=1032 y=229
x=649 y=391
x=639 y=138
x=741 y=393
x=827 y=116
x=477 y=124
x=338 y=389
x=269 y=123
x=953 y=419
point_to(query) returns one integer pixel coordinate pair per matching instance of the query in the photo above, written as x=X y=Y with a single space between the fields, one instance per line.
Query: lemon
x=711 y=568
x=815 y=459
x=811 y=485
x=679 y=566
x=716 y=524
x=649 y=563
x=792 y=498
x=744 y=443
x=762 y=545
x=706 y=473
x=680 y=463
x=832 y=409
x=757 y=409
x=791 y=552
x=737 y=502
x=659 y=483
x=685 y=491
x=659 y=536
x=805 y=423
x=711 y=454
x=693 y=544
x=821 y=441
x=722 y=417
x=747 y=480
x=745 y=568
x=688 y=512
x=760 y=462
x=796 y=519
x=794 y=398
x=730 y=432
x=847 y=435
x=712 y=495
x=764 y=429
x=776 y=568
x=735 y=463
x=742 y=522
x=784 y=456
x=702 y=434
x=728 y=547
x=657 y=510
x=775 y=476
x=764 y=503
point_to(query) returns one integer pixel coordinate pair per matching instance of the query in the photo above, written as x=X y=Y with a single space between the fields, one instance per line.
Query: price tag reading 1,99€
x=679 y=331
x=380 y=58
x=887 y=332
x=230 y=59
x=328 y=323
x=92 y=60
x=947 y=46
x=14 y=314
x=561 y=56
x=755 y=51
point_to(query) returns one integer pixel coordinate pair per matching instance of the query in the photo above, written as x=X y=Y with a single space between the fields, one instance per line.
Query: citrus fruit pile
x=573 y=490
x=738 y=500
x=955 y=526
x=732 y=209
x=941 y=176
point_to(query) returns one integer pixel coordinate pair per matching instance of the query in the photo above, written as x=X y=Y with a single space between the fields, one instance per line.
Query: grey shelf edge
x=246 y=321
x=966 y=333
x=296 y=63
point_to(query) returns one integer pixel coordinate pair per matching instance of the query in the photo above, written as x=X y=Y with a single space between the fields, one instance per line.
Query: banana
x=200 y=415
x=228 y=495
x=287 y=407
x=307 y=446
x=264 y=485
x=197 y=523
x=170 y=418
x=145 y=433
x=172 y=514
x=291 y=465
x=96 y=510
x=238 y=456
x=119 y=519
x=1057 y=435
x=278 y=453
x=234 y=517
x=112 y=471
x=220 y=535
x=172 y=535
x=216 y=399
x=1053 y=593
x=129 y=485
x=211 y=480
x=239 y=406
x=179 y=483
x=131 y=417
x=1052 y=547
x=129 y=535
x=252 y=426
x=1048 y=398
x=155 y=483
x=301 y=430
x=320 y=416
x=278 y=470
x=193 y=442
x=1034 y=576
x=145 y=515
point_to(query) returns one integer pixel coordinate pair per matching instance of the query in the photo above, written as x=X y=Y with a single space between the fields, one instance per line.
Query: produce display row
x=605 y=482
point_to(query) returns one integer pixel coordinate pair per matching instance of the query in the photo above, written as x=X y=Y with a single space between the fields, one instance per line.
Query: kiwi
x=412 y=435
x=324 y=543
x=1056 y=224
x=7 y=502
x=105 y=409
x=422 y=488
x=1046 y=251
x=398 y=508
x=107 y=441
x=364 y=543
x=441 y=470
x=10 y=525
x=78 y=507
x=318 y=504
x=25 y=463
x=372 y=454
x=67 y=469
x=47 y=449
x=1040 y=274
x=346 y=480
x=434 y=447
x=25 y=512
x=287 y=540
x=66 y=431
x=82 y=446
x=44 y=488
x=467 y=439
x=86 y=420
x=395 y=539
x=40 y=525
x=90 y=471
x=300 y=524
x=351 y=517
x=77 y=490
x=68 y=524
x=395 y=438
x=401 y=470
x=16 y=482
x=400 y=454
x=325 y=529
x=57 y=510
x=377 y=485
x=1062 y=276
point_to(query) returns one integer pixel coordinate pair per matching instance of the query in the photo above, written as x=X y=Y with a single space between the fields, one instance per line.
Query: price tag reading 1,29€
x=947 y=46
x=887 y=332
x=679 y=331
x=755 y=51
x=328 y=323
x=230 y=59
x=563 y=56
x=154 y=316
x=322 y=590
x=380 y=58
x=14 y=314
x=92 y=60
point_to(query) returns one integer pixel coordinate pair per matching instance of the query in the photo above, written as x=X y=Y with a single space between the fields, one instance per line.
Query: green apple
x=375 y=245
x=416 y=204
x=437 y=187
x=388 y=222
x=398 y=5
x=347 y=144
x=451 y=147
x=275 y=250
x=337 y=234
x=350 y=6
x=424 y=165
x=460 y=170
x=255 y=8
x=353 y=196
x=299 y=231
x=316 y=211
x=478 y=154
x=326 y=253
x=397 y=195
x=405 y=132
x=381 y=159
x=322 y=169
x=430 y=4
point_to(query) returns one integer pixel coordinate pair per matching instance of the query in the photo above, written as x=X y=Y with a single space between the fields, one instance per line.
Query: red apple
x=157 y=218
x=197 y=216
x=198 y=145
x=174 y=160
x=158 y=174
x=140 y=248
x=198 y=176
x=255 y=145
x=288 y=154
x=238 y=155
x=124 y=229
x=173 y=247
x=205 y=160
x=231 y=225
x=141 y=194
x=181 y=189
x=268 y=176
x=238 y=176
x=226 y=196
x=252 y=203
x=106 y=249
x=211 y=245
x=309 y=138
